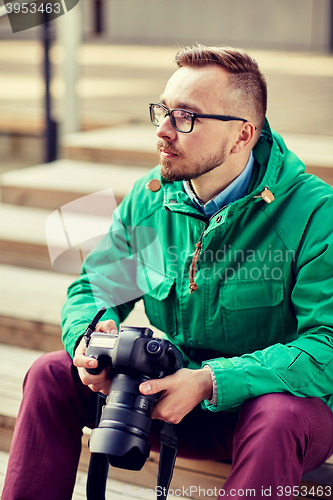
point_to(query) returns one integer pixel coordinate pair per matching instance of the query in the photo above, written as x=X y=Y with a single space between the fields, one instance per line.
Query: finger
x=89 y=379
x=82 y=361
x=103 y=387
x=108 y=326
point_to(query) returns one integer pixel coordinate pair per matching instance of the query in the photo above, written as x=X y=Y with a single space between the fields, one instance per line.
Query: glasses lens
x=182 y=120
x=157 y=114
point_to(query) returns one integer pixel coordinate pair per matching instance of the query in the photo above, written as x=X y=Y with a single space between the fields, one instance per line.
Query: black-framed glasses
x=183 y=120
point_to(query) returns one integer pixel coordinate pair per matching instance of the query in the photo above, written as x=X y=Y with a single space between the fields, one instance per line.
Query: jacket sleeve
x=108 y=278
x=303 y=367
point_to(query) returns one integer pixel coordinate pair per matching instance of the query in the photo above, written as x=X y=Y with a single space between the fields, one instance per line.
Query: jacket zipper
x=193 y=286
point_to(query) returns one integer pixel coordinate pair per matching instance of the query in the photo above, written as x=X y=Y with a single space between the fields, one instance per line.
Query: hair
x=247 y=85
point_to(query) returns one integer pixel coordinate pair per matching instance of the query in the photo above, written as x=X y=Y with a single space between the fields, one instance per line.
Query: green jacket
x=262 y=314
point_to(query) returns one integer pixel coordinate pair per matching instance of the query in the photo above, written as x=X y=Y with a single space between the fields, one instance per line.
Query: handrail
x=3 y=8
x=50 y=124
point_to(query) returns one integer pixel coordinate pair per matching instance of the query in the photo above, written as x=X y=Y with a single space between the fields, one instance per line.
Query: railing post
x=98 y=17
x=51 y=147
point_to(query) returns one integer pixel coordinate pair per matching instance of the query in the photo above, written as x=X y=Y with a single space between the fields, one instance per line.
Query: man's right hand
x=102 y=381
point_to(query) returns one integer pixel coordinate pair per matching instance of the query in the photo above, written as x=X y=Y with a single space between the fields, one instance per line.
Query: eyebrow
x=184 y=105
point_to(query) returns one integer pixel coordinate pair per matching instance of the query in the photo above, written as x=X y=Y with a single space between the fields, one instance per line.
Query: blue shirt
x=236 y=190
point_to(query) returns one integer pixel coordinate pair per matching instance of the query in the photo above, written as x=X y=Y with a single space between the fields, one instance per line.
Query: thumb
x=151 y=387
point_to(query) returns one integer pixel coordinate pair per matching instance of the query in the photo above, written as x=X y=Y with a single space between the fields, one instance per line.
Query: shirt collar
x=236 y=190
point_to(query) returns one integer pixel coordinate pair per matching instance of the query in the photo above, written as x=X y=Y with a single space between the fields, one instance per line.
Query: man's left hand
x=181 y=392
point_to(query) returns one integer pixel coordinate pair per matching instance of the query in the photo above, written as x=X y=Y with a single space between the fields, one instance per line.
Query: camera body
x=133 y=356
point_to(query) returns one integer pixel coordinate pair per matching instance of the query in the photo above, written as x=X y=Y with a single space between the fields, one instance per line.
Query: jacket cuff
x=72 y=338
x=214 y=399
x=232 y=388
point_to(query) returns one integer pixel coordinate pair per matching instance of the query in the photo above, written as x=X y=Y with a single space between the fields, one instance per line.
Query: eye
x=185 y=116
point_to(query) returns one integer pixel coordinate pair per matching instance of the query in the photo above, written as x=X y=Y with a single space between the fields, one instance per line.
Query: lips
x=166 y=152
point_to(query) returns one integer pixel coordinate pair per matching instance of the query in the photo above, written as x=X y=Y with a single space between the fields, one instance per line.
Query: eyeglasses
x=183 y=120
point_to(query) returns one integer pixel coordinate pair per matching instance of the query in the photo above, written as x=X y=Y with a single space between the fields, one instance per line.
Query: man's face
x=188 y=156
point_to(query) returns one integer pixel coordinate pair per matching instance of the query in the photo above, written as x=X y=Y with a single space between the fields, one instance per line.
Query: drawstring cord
x=193 y=286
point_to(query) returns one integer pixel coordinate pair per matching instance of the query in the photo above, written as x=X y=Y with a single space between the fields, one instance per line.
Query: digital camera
x=133 y=356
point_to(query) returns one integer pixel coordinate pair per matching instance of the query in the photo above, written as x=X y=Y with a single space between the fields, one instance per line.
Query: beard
x=176 y=169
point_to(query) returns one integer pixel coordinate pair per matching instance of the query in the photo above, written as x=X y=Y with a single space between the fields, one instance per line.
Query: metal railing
x=50 y=136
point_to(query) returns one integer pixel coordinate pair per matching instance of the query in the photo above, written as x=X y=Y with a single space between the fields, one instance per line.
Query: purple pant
x=271 y=441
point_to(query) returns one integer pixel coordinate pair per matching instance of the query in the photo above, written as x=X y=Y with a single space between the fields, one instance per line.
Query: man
x=242 y=285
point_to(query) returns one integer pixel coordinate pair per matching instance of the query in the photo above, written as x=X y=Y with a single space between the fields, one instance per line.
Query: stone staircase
x=33 y=292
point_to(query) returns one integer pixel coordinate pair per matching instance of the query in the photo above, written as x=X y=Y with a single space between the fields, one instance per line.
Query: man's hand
x=100 y=382
x=181 y=392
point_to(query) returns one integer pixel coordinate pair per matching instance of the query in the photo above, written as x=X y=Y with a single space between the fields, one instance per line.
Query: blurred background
x=109 y=58
x=74 y=97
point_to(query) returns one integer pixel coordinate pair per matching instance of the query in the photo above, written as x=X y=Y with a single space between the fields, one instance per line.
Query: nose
x=166 y=130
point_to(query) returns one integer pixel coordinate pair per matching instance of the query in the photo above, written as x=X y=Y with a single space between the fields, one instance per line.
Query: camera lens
x=153 y=347
x=125 y=423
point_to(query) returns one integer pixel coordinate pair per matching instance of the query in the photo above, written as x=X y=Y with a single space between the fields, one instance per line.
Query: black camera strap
x=99 y=466
x=168 y=454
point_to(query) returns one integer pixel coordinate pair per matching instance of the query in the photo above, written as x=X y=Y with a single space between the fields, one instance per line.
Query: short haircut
x=247 y=84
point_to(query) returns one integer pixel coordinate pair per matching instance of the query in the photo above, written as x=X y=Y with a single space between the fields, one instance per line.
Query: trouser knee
x=271 y=415
x=47 y=367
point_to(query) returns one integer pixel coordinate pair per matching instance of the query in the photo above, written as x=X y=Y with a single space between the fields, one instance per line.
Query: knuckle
x=93 y=387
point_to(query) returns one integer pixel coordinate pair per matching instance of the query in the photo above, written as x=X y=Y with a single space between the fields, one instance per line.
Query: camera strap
x=99 y=464
x=168 y=454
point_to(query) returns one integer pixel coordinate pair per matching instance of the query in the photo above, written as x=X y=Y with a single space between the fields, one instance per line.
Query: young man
x=241 y=281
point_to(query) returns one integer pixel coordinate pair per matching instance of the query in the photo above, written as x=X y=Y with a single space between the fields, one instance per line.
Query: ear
x=245 y=136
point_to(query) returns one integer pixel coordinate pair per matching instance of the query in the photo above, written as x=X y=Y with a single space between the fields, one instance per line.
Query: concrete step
x=52 y=185
x=129 y=145
x=23 y=238
x=315 y=151
x=136 y=145
x=53 y=240
x=30 y=307
x=31 y=122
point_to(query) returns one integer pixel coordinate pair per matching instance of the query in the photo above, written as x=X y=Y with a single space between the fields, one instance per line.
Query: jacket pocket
x=252 y=314
x=160 y=306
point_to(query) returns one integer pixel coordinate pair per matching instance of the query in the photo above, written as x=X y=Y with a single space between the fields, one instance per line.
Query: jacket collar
x=268 y=158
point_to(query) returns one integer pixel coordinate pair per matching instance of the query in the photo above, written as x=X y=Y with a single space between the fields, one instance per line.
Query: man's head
x=214 y=151
x=247 y=92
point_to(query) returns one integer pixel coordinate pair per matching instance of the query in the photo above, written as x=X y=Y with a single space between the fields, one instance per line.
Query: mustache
x=165 y=145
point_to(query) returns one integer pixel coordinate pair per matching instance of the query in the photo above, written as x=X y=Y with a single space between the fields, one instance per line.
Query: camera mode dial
x=153 y=347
